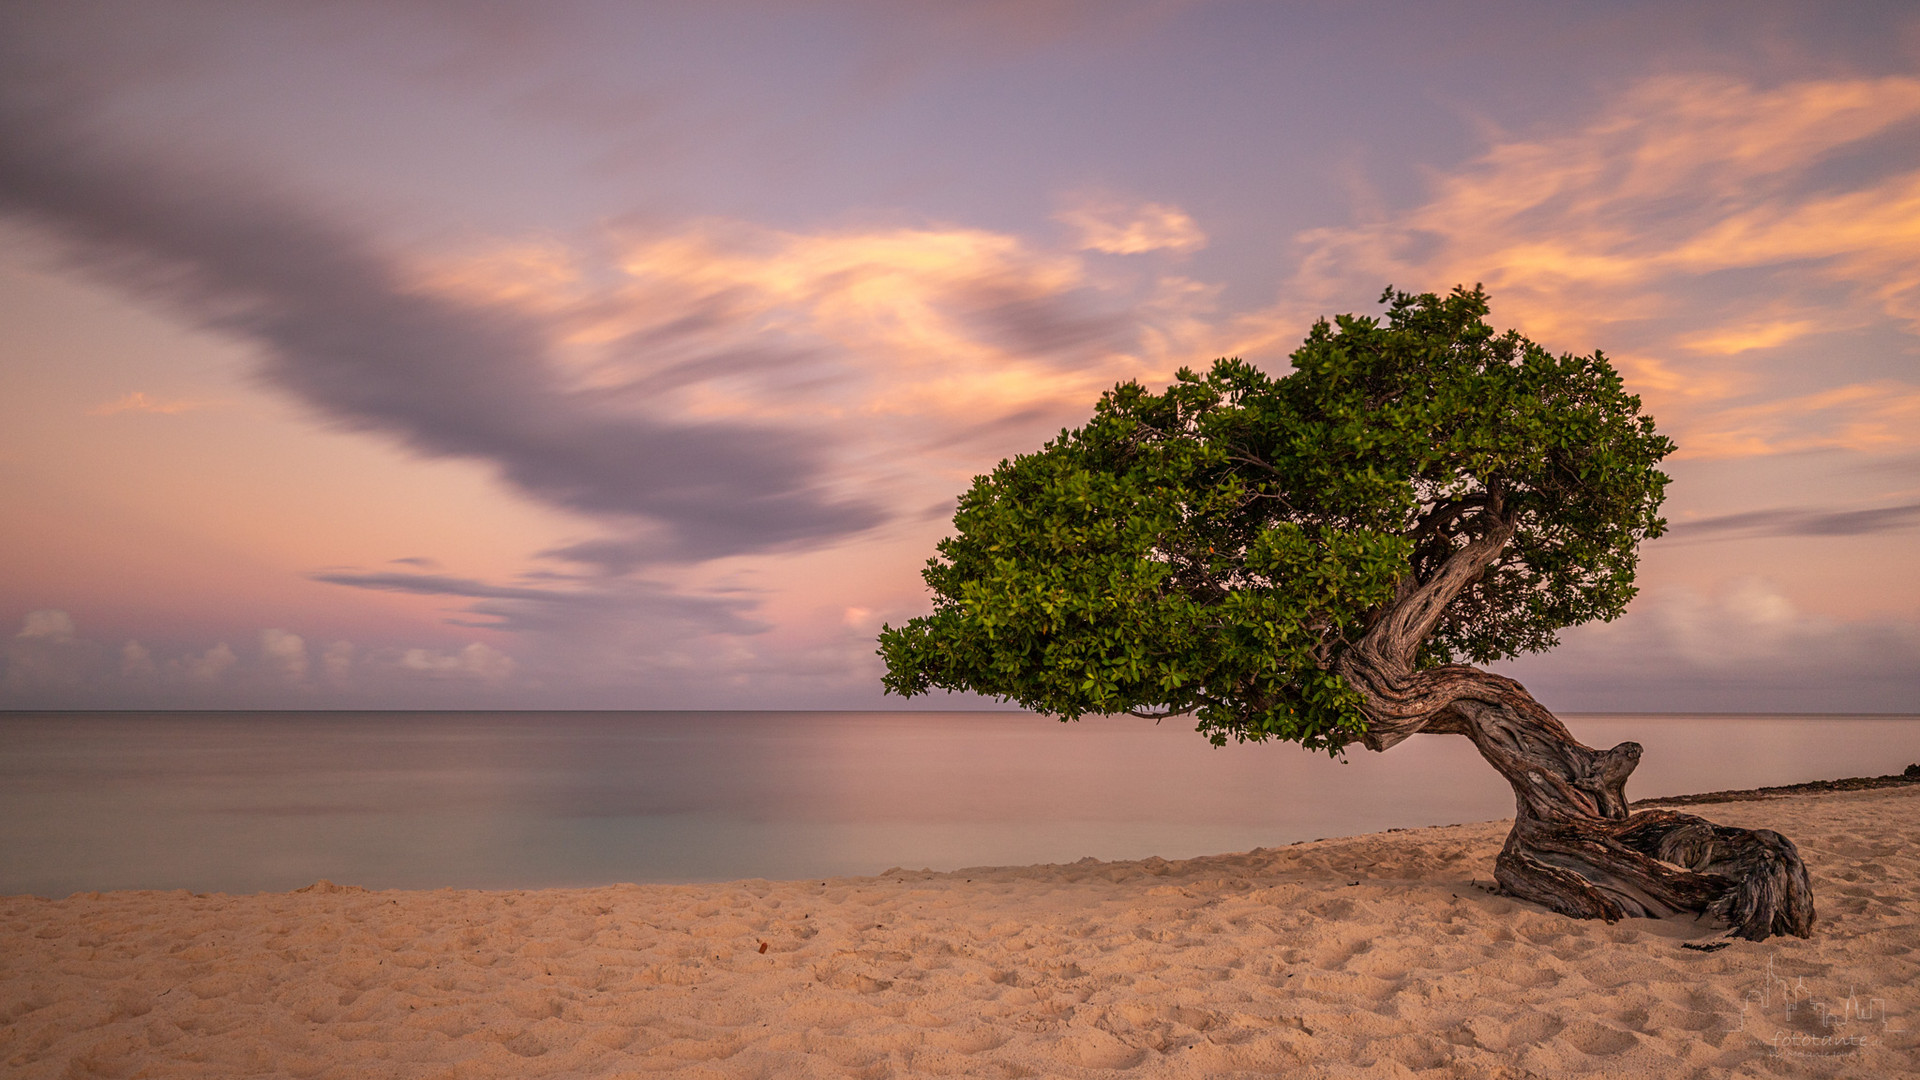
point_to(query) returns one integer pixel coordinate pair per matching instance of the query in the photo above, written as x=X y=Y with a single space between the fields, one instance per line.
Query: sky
x=631 y=355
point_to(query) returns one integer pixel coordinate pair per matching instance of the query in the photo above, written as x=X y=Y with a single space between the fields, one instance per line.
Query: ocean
x=267 y=801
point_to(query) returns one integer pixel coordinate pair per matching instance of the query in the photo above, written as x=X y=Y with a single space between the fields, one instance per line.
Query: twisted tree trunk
x=1574 y=847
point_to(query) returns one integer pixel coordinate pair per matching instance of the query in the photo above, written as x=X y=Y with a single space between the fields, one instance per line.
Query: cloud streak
x=701 y=391
x=341 y=326
x=593 y=607
x=924 y=339
x=1801 y=522
x=443 y=585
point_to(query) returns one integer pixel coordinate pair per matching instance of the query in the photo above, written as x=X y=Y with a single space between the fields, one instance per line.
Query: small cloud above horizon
x=475 y=661
x=50 y=624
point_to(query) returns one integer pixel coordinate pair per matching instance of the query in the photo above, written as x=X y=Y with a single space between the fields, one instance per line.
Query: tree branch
x=1395 y=638
x=1443 y=513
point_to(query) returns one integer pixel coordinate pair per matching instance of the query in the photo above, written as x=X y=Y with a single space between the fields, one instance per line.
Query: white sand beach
x=1375 y=956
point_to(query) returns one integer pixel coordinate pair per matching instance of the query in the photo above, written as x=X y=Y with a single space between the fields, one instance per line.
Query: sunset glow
x=632 y=356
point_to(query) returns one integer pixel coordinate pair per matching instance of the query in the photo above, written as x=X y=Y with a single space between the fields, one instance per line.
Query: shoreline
x=1910 y=777
x=1371 y=955
x=1852 y=783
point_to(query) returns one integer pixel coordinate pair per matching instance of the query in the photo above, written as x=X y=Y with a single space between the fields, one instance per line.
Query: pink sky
x=629 y=356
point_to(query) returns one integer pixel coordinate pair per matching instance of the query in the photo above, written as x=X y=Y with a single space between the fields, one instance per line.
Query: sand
x=1365 y=956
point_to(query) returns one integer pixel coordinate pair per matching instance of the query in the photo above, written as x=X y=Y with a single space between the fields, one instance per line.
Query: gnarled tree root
x=1574 y=847
x=1658 y=863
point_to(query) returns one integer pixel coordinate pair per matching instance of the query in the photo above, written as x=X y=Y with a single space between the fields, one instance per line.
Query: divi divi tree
x=1324 y=557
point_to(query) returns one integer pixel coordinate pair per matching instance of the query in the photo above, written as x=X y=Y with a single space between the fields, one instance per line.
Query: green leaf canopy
x=1213 y=548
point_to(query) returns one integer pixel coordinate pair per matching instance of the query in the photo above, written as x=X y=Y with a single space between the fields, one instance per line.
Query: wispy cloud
x=1729 y=340
x=139 y=402
x=443 y=585
x=342 y=325
x=921 y=340
x=707 y=390
x=1800 y=521
x=1879 y=416
x=737 y=320
x=1107 y=224
x=1695 y=227
x=695 y=392
x=607 y=609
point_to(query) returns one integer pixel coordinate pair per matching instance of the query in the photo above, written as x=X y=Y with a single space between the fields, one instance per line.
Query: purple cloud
x=340 y=328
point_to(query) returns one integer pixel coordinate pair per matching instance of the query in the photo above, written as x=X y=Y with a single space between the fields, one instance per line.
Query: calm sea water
x=242 y=802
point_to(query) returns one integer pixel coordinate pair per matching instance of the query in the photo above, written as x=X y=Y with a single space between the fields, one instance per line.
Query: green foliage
x=1212 y=549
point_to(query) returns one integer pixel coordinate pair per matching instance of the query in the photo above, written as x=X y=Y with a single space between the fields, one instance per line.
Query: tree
x=1322 y=558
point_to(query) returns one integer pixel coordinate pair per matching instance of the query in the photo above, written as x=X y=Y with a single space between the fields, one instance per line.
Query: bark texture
x=1574 y=847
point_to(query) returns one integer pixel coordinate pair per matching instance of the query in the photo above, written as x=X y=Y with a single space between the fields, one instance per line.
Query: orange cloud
x=1881 y=416
x=908 y=340
x=138 y=401
x=1728 y=340
x=920 y=355
x=1108 y=225
x=912 y=334
x=1612 y=234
